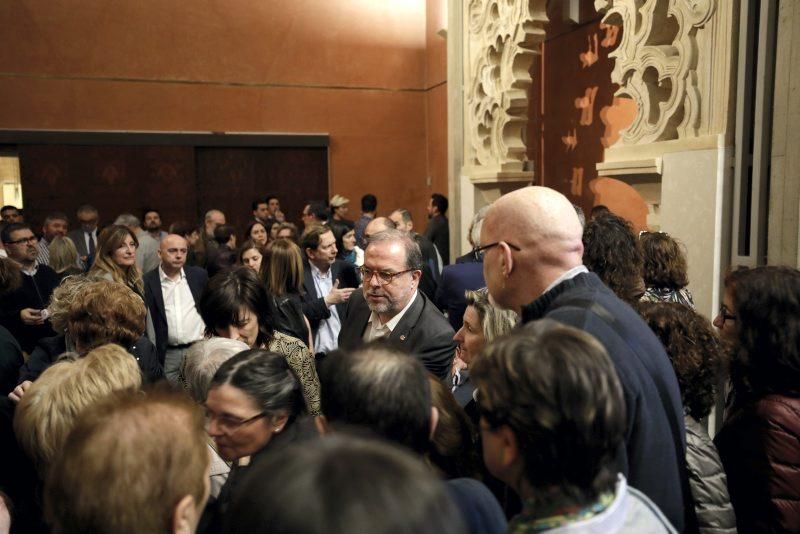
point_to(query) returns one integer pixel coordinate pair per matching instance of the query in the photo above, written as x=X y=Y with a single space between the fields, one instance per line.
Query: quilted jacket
x=708 y=481
x=759 y=445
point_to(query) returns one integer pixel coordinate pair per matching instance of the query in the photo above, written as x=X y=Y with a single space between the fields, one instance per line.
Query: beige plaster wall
x=783 y=245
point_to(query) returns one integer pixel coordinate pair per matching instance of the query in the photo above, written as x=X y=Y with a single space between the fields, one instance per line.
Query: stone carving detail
x=656 y=64
x=502 y=39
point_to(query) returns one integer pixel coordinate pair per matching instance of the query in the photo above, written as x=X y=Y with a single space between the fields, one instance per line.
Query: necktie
x=91 y=245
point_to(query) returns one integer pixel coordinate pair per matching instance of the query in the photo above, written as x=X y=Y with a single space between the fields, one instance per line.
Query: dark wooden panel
x=231 y=178
x=116 y=179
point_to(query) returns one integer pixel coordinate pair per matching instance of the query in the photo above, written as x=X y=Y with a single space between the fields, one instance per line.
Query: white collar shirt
x=326 y=338
x=377 y=330
x=184 y=324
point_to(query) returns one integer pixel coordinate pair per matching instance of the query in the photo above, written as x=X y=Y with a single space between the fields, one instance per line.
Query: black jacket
x=35 y=293
x=154 y=299
x=49 y=349
x=314 y=307
x=423 y=331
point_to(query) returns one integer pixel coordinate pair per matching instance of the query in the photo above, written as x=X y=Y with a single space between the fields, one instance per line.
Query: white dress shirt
x=184 y=324
x=327 y=337
x=376 y=329
x=87 y=236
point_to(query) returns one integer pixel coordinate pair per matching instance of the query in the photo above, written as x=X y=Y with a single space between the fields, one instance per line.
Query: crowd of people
x=344 y=376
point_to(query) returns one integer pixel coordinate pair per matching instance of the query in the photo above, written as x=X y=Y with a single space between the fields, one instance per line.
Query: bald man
x=171 y=293
x=532 y=261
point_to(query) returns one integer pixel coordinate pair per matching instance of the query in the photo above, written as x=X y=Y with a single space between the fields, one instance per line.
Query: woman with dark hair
x=552 y=425
x=254 y=409
x=346 y=243
x=759 y=442
x=453 y=449
x=272 y=226
x=252 y=255
x=236 y=305
x=664 y=269
x=697 y=356
x=115 y=258
x=283 y=276
x=257 y=232
x=191 y=233
x=610 y=251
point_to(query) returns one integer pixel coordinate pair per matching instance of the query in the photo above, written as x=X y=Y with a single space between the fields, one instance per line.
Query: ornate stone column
x=676 y=61
x=499 y=40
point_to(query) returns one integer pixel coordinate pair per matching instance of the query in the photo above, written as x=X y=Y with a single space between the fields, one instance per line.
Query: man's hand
x=336 y=295
x=19 y=391
x=31 y=317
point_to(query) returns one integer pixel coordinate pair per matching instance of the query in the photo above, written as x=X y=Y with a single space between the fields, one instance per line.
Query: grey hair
x=581 y=215
x=474 y=233
x=404 y=214
x=413 y=254
x=129 y=220
x=202 y=361
x=495 y=321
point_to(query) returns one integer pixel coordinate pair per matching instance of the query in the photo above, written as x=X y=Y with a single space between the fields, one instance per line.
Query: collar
x=32 y=271
x=572 y=273
x=163 y=276
x=539 y=307
x=317 y=273
x=391 y=324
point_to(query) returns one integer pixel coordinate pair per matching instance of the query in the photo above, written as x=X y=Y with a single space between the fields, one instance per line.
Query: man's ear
x=506 y=260
x=434 y=420
x=510 y=447
x=321 y=422
x=184 y=516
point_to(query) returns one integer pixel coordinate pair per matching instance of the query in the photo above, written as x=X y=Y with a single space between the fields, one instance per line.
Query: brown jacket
x=759 y=445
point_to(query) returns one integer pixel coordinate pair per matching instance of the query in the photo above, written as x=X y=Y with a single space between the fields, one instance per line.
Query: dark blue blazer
x=197 y=278
x=456 y=279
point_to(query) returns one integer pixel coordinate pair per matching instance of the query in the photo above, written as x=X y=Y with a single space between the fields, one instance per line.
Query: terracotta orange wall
x=436 y=95
x=360 y=70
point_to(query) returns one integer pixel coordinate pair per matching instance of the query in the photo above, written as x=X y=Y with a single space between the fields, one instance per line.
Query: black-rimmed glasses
x=481 y=251
x=229 y=425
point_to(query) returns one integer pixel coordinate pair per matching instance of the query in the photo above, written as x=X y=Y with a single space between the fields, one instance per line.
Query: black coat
x=653 y=456
x=154 y=299
x=49 y=349
x=423 y=331
x=35 y=293
x=314 y=307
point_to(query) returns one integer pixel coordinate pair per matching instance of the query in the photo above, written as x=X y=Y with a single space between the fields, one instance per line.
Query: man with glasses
x=531 y=243
x=390 y=307
x=23 y=310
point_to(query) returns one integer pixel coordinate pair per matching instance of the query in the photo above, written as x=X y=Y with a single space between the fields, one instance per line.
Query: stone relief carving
x=656 y=64
x=502 y=40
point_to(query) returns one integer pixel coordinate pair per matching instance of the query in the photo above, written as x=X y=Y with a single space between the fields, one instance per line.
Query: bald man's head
x=378 y=224
x=173 y=251
x=539 y=238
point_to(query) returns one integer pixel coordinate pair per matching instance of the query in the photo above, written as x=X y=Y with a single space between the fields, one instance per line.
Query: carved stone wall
x=501 y=39
x=657 y=65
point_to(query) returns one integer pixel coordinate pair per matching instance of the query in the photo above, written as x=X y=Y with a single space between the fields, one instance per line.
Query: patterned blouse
x=302 y=362
x=656 y=294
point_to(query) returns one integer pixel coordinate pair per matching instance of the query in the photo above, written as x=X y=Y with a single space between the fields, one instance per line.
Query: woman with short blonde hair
x=63 y=256
x=48 y=411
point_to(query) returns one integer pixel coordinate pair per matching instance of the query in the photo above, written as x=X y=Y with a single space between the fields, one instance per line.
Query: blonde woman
x=64 y=257
x=116 y=258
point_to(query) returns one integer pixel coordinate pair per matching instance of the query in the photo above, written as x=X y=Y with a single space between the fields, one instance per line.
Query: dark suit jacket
x=80 y=241
x=423 y=331
x=314 y=307
x=197 y=279
x=456 y=279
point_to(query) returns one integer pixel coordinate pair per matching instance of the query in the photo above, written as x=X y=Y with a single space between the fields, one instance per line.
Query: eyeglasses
x=229 y=425
x=384 y=277
x=480 y=252
x=27 y=240
x=725 y=314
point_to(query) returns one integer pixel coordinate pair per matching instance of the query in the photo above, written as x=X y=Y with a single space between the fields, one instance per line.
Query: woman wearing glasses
x=115 y=259
x=254 y=408
x=235 y=304
x=759 y=442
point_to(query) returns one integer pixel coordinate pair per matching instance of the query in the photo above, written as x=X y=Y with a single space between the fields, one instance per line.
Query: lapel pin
x=403 y=337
